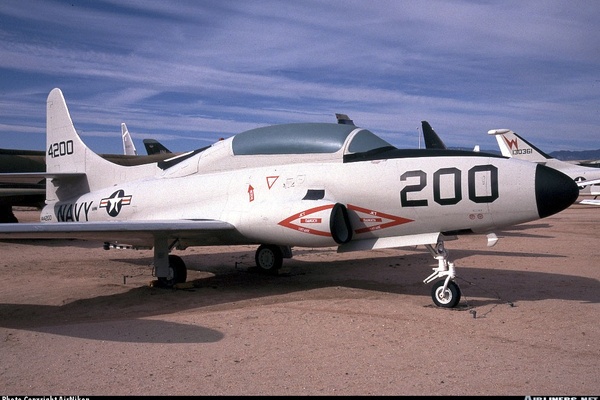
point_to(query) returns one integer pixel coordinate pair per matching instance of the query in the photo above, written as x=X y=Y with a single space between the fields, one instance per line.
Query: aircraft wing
x=394 y=241
x=587 y=183
x=590 y=202
x=22 y=191
x=35 y=177
x=207 y=232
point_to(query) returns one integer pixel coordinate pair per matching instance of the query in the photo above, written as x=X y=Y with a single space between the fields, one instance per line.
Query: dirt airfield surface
x=79 y=320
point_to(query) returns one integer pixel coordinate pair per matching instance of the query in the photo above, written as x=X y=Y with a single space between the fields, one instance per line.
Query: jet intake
x=339 y=224
x=308 y=223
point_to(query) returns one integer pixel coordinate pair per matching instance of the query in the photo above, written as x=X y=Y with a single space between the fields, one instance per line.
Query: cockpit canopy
x=272 y=145
x=305 y=138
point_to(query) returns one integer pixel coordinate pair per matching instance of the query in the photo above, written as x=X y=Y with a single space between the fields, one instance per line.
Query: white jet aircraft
x=280 y=186
x=514 y=146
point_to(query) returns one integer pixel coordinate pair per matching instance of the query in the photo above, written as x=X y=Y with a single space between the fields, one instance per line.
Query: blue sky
x=189 y=72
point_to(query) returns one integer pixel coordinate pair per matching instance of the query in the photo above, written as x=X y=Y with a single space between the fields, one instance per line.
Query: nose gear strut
x=445 y=292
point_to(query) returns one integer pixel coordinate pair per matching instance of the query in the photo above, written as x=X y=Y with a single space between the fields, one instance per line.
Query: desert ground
x=79 y=320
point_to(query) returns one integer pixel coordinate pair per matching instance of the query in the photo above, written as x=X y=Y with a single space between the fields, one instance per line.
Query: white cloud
x=190 y=69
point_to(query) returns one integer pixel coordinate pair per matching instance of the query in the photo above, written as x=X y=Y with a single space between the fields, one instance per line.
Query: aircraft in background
x=432 y=140
x=343 y=119
x=514 y=146
x=32 y=192
x=24 y=193
x=527 y=151
x=154 y=147
x=128 y=145
x=283 y=186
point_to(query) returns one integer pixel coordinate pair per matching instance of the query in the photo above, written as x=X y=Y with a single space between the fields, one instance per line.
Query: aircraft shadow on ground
x=524 y=231
x=126 y=317
x=135 y=330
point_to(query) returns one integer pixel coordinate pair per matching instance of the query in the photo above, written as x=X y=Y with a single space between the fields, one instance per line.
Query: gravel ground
x=79 y=320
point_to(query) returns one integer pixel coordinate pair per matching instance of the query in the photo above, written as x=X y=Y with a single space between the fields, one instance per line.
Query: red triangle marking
x=271 y=181
x=376 y=215
x=288 y=221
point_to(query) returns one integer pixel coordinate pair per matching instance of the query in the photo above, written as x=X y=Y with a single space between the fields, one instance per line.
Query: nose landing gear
x=445 y=292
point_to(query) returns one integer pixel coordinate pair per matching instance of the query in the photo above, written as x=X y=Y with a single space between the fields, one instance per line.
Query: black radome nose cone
x=554 y=191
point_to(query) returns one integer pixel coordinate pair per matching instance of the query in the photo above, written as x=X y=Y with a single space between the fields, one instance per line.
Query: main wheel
x=178 y=270
x=269 y=258
x=448 y=298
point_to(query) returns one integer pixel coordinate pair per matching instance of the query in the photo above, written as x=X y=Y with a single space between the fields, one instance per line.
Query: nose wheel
x=445 y=295
x=445 y=292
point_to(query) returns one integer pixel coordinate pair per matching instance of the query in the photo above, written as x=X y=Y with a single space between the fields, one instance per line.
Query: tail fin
x=343 y=119
x=154 y=147
x=512 y=145
x=432 y=140
x=128 y=146
x=77 y=168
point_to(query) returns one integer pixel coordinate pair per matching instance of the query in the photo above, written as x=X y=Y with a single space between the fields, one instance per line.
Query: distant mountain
x=471 y=149
x=563 y=155
x=583 y=155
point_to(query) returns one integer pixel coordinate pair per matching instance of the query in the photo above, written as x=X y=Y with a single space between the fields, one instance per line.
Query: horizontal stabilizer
x=498 y=131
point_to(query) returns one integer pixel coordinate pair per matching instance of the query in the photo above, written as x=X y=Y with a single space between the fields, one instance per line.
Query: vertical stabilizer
x=154 y=147
x=343 y=119
x=432 y=140
x=67 y=154
x=512 y=145
x=128 y=146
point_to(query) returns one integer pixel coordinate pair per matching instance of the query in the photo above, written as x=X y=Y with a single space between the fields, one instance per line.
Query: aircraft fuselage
x=292 y=203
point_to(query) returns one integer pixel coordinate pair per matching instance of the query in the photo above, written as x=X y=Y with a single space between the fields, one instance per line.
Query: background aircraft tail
x=128 y=146
x=74 y=169
x=343 y=119
x=155 y=147
x=512 y=145
x=432 y=140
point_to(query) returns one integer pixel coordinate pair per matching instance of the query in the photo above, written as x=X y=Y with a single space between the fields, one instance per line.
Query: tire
x=450 y=298
x=177 y=265
x=269 y=258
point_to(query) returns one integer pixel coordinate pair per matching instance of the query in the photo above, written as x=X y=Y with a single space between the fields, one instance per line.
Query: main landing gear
x=177 y=272
x=269 y=257
x=445 y=292
x=169 y=269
